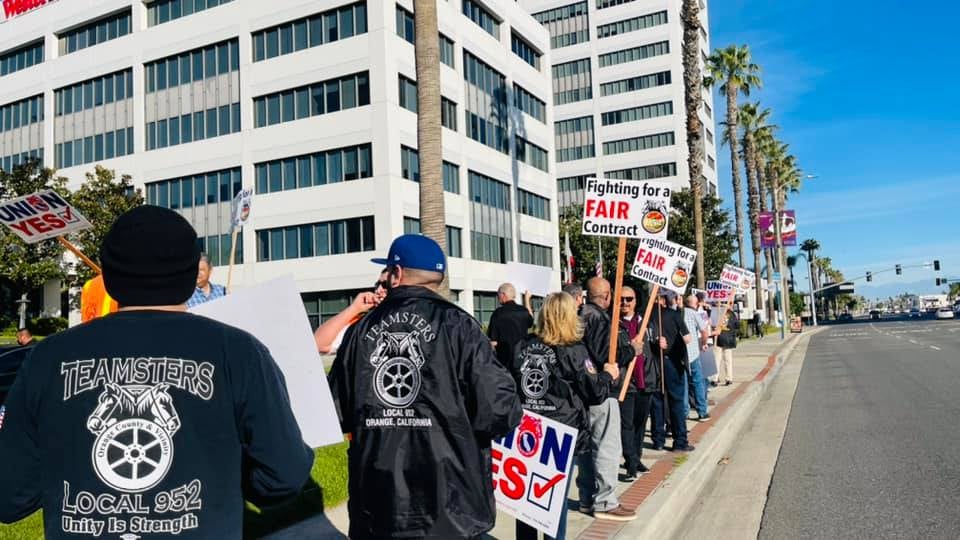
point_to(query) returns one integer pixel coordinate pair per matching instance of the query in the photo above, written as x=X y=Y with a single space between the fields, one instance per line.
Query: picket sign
x=642 y=335
x=717 y=292
x=44 y=215
x=239 y=213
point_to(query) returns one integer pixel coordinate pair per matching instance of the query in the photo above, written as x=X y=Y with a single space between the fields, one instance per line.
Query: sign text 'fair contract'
x=626 y=208
x=664 y=263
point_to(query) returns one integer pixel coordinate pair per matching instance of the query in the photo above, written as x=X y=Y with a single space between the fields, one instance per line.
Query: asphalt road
x=872 y=447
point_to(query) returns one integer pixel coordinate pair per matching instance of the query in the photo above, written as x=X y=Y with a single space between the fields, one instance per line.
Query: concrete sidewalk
x=754 y=359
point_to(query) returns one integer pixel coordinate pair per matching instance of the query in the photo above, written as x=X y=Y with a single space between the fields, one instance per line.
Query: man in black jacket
x=422 y=395
x=668 y=336
x=509 y=324
x=150 y=420
x=597 y=478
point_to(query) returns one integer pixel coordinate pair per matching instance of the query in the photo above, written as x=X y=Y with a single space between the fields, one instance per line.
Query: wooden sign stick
x=615 y=327
x=233 y=251
x=76 y=251
x=642 y=334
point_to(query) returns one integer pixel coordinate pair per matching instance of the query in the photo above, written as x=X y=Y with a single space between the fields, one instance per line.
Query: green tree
x=693 y=99
x=954 y=291
x=101 y=199
x=796 y=304
x=29 y=266
x=719 y=246
x=736 y=74
x=752 y=120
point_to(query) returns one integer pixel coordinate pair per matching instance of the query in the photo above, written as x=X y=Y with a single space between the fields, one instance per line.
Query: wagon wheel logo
x=534 y=383
x=397 y=360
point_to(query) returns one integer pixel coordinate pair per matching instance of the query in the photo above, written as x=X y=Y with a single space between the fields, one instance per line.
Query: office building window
x=536 y=254
x=484 y=304
x=162 y=11
x=568 y=25
x=21 y=58
x=91 y=93
x=94 y=33
x=101 y=146
x=21 y=113
x=336 y=237
x=316 y=169
x=572 y=82
x=611 y=3
x=454 y=246
x=323 y=306
x=193 y=66
x=411 y=225
x=635 y=83
x=408 y=93
x=318 y=29
x=707 y=109
x=574 y=138
x=525 y=51
x=409 y=163
x=634 y=144
x=9 y=163
x=533 y=205
x=448 y=114
x=406 y=26
x=650 y=172
x=570 y=190
x=712 y=162
x=531 y=154
x=634 y=54
x=709 y=135
x=491 y=220
x=486 y=103
x=323 y=97
x=451 y=177
x=217 y=248
x=447 y=54
x=634 y=114
x=482 y=17
x=632 y=25
x=529 y=103
x=195 y=190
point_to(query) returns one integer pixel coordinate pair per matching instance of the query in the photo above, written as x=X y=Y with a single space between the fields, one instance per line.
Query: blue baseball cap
x=415 y=251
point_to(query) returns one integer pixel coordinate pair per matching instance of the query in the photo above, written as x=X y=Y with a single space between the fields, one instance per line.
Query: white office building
x=310 y=103
x=618 y=92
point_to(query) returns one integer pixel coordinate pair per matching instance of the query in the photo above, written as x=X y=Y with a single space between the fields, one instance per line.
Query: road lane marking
x=914 y=341
x=934 y=347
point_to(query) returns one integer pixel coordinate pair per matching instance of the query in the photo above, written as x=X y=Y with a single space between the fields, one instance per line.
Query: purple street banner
x=788 y=229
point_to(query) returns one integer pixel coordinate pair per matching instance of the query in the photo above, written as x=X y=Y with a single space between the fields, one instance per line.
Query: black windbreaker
x=559 y=382
x=596 y=337
x=419 y=389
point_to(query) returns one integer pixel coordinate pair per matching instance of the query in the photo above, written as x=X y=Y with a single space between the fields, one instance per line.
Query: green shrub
x=47 y=326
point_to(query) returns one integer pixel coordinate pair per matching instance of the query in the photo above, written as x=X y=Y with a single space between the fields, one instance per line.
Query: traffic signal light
x=869 y=276
x=899 y=269
x=936 y=266
x=941 y=281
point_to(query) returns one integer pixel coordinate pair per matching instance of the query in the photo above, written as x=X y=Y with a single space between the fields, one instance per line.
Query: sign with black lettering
x=626 y=208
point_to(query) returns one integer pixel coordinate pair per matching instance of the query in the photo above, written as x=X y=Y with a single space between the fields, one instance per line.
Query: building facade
x=618 y=92
x=310 y=103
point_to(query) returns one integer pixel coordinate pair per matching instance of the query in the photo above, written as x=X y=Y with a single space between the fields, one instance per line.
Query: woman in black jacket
x=556 y=378
x=726 y=334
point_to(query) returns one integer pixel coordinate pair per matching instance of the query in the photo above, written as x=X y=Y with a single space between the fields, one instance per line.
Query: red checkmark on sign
x=539 y=491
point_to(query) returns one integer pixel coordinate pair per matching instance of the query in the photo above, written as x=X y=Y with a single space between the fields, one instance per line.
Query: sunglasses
x=627 y=299
x=382 y=284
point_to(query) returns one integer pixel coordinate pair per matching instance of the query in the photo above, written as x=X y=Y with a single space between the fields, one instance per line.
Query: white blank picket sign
x=273 y=312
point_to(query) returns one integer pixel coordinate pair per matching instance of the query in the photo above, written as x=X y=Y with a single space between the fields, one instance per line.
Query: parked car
x=875 y=315
x=915 y=312
x=945 y=313
x=845 y=317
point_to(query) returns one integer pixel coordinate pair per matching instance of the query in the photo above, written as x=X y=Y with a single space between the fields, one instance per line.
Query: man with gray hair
x=205 y=291
x=509 y=324
x=696 y=384
x=575 y=291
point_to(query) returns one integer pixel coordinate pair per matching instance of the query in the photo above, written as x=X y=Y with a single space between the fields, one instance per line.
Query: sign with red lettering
x=13 y=8
x=41 y=216
x=531 y=471
x=737 y=277
x=718 y=293
x=664 y=263
x=626 y=208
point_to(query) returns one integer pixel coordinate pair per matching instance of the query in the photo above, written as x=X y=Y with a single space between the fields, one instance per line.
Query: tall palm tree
x=427 y=50
x=811 y=246
x=766 y=147
x=753 y=119
x=732 y=69
x=693 y=99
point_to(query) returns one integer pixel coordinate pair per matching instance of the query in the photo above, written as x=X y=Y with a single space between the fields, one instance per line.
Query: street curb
x=669 y=491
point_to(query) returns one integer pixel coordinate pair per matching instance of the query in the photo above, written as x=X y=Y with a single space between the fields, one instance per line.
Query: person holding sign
x=205 y=291
x=557 y=379
x=635 y=407
x=668 y=336
x=419 y=390
x=150 y=419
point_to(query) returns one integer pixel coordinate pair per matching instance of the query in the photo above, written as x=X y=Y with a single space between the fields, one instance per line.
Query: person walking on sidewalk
x=556 y=378
x=696 y=385
x=598 y=468
x=726 y=334
x=757 y=323
x=635 y=407
x=668 y=335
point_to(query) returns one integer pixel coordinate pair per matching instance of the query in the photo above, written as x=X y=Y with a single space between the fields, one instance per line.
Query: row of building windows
x=572 y=183
x=8 y=163
x=408 y=100
x=601 y=4
x=21 y=58
x=406 y=29
x=634 y=114
x=634 y=53
x=531 y=154
x=94 y=92
x=536 y=254
x=21 y=113
x=649 y=172
x=635 y=83
x=529 y=103
x=488 y=191
x=634 y=144
x=336 y=237
x=632 y=25
x=214 y=122
x=483 y=18
x=195 y=190
x=193 y=66
x=94 y=148
x=525 y=51
x=162 y=11
x=410 y=169
x=95 y=32
x=574 y=139
x=326 y=27
x=568 y=25
x=572 y=81
x=316 y=169
x=312 y=100
x=411 y=225
x=533 y=205
x=217 y=248
x=486 y=91
x=491 y=247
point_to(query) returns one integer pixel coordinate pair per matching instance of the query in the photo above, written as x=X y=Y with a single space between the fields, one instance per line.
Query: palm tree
x=811 y=246
x=732 y=69
x=766 y=152
x=791 y=264
x=693 y=99
x=427 y=49
x=752 y=119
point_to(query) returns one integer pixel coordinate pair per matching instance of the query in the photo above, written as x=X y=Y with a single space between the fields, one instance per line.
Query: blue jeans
x=697 y=387
x=674 y=402
x=526 y=532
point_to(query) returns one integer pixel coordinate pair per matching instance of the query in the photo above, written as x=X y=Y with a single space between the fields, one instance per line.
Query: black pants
x=634 y=412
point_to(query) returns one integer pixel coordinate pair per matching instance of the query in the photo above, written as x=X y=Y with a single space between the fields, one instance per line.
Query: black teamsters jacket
x=596 y=337
x=560 y=382
x=419 y=388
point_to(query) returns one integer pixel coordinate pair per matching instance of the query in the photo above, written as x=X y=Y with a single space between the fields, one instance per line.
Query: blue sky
x=866 y=94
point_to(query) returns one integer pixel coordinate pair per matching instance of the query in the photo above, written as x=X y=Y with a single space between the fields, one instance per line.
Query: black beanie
x=150 y=258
